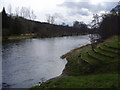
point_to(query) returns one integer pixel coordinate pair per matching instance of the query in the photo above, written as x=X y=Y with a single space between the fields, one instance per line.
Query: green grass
x=114 y=44
x=102 y=58
x=91 y=81
x=105 y=52
x=88 y=59
x=109 y=49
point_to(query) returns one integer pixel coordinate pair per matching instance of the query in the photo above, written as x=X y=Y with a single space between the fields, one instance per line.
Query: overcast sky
x=64 y=10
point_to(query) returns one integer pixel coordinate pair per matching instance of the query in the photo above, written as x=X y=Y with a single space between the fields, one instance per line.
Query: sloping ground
x=91 y=81
x=88 y=61
x=96 y=68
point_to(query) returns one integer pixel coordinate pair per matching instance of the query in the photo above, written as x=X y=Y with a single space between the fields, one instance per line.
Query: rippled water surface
x=27 y=62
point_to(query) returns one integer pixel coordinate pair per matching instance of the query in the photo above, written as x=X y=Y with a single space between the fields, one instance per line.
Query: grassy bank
x=18 y=37
x=27 y=36
x=90 y=69
x=90 y=81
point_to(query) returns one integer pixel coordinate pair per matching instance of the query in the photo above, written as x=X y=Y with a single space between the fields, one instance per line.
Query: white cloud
x=65 y=10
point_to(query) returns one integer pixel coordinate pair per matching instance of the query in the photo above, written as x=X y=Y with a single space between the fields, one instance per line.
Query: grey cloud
x=105 y=6
x=58 y=15
x=82 y=11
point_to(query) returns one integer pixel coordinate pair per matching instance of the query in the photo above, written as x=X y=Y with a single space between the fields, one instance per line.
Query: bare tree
x=27 y=13
x=50 y=19
x=17 y=11
x=94 y=36
x=9 y=9
x=22 y=11
x=95 y=21
x=32 y=15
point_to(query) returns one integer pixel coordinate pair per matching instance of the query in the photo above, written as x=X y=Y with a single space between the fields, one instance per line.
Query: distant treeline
x=105 y=25
x=15 y=25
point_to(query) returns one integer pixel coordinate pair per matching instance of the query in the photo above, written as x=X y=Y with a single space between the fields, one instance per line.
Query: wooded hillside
x=15 y=25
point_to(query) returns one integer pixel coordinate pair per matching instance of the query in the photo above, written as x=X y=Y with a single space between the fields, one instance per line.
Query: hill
x=15 y=26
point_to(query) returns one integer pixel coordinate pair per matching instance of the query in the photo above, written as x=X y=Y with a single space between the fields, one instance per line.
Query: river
x=27 y=62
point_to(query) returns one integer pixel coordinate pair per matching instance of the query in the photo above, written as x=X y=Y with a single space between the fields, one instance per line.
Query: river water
x=27 y=62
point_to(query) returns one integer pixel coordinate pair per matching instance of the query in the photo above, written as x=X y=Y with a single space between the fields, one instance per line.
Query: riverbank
x=87 y=69
x=18 y=37
x=28 y=36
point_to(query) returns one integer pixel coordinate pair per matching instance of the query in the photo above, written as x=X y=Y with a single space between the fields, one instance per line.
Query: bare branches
x=32 y=15
x=24 y=12
x=50 y=19
x=95 y=21
x=9 y=8
x=17 y=11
